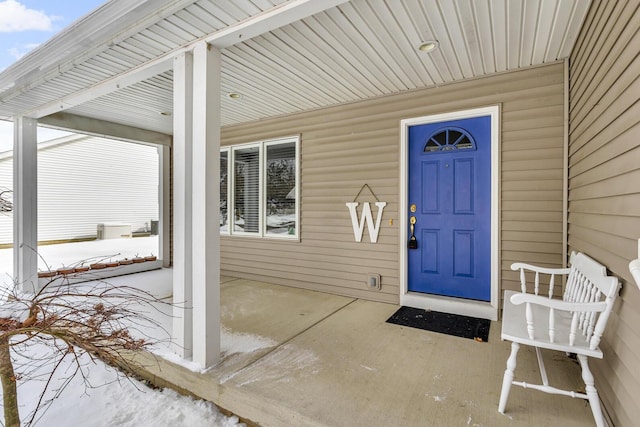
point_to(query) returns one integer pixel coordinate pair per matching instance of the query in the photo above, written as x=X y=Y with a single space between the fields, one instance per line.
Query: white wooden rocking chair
x=574 y=324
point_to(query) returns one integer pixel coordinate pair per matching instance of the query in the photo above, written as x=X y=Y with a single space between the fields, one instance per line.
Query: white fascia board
x=48 y=144
x=111 y=23
x=67 y=139
x=62 y=140
x=262 y=23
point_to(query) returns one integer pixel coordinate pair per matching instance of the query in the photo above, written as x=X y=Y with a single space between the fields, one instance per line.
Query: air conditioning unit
x=114 y=231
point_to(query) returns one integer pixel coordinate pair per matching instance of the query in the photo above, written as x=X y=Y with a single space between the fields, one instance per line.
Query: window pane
x=224 y=197
x=281 y=189
x=247 y=190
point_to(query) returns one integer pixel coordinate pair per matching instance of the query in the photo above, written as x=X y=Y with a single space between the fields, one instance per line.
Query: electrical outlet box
x=373 y=281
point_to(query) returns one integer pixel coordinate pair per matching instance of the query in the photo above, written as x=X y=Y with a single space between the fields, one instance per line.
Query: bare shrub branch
x=97 y=318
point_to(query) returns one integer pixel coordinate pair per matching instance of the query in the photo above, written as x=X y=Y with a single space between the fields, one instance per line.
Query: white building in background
x=84 y=181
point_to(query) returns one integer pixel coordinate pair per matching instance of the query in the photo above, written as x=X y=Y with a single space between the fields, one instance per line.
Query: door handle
x=413 y=242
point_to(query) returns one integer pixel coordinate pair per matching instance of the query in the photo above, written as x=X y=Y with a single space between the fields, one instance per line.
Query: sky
x=24 y=25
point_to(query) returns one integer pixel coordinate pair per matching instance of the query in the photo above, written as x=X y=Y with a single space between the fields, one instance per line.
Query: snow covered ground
x=66 y=254
x=115 y=402
x=122 y=402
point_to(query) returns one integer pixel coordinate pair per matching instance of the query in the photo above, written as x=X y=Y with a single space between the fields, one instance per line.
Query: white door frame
x=485 y=310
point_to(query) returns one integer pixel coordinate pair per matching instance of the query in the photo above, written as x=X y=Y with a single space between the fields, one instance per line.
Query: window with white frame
x=224 y=191
x=259 y=189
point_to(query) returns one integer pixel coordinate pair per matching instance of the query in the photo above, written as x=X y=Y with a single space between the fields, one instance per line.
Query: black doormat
x=444 y=323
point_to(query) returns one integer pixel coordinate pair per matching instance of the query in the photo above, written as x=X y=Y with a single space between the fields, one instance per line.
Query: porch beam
x=106 y=129
x=279 y=16
x=182 y=204
x=261 y=23
x=25 y=197
x=207 y=65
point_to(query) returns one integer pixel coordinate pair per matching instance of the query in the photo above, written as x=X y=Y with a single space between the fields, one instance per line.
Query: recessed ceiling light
x=428 y=46
x=234 y=95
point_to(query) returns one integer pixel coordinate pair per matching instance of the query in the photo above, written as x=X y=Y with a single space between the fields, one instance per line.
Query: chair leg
x=592 y=393
x=508 y=377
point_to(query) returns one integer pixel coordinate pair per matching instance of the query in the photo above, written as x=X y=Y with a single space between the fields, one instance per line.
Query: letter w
x=358 y=226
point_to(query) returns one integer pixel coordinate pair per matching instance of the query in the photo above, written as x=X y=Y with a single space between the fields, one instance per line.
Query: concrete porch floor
x=335 y=362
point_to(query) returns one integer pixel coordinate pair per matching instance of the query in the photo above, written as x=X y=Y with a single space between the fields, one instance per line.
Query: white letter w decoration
x=358 y=226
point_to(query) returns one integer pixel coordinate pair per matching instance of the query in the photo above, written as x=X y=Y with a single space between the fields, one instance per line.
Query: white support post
x=25 y=196
x=182 y=202
x=206 y=204
x=164 y=196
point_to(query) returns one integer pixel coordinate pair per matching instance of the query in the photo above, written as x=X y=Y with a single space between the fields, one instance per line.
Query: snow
x=114 y=402
x=234 y=342
x=110 y=400
x=230 y=343
x=15 y=310
x=68 y=254
x=276 y=224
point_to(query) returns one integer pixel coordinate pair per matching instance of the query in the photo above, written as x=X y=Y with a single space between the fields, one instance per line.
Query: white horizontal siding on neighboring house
x=6 y=183
x=84 y=181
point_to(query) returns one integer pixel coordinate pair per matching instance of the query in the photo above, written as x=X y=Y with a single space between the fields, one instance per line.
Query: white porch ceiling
x=356 y=50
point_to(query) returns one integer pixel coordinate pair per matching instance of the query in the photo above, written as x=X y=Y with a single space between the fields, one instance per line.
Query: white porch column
x=182 y=190
x=164 y=196
x=25 y=197
x=206 y=204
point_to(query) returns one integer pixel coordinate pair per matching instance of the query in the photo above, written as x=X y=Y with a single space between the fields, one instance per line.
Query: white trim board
x=486 y=310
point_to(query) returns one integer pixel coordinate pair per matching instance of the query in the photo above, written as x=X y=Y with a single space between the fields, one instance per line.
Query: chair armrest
x=557 y=304
x=518 y=265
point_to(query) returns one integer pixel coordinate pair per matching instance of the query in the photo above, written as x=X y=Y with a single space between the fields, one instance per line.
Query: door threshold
x=463 y=307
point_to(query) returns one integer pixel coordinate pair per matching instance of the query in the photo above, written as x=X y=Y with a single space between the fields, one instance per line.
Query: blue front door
x=450 y=202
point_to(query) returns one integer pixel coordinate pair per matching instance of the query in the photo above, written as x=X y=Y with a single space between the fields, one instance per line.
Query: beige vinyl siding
x=604 y=183
x=346 y=146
